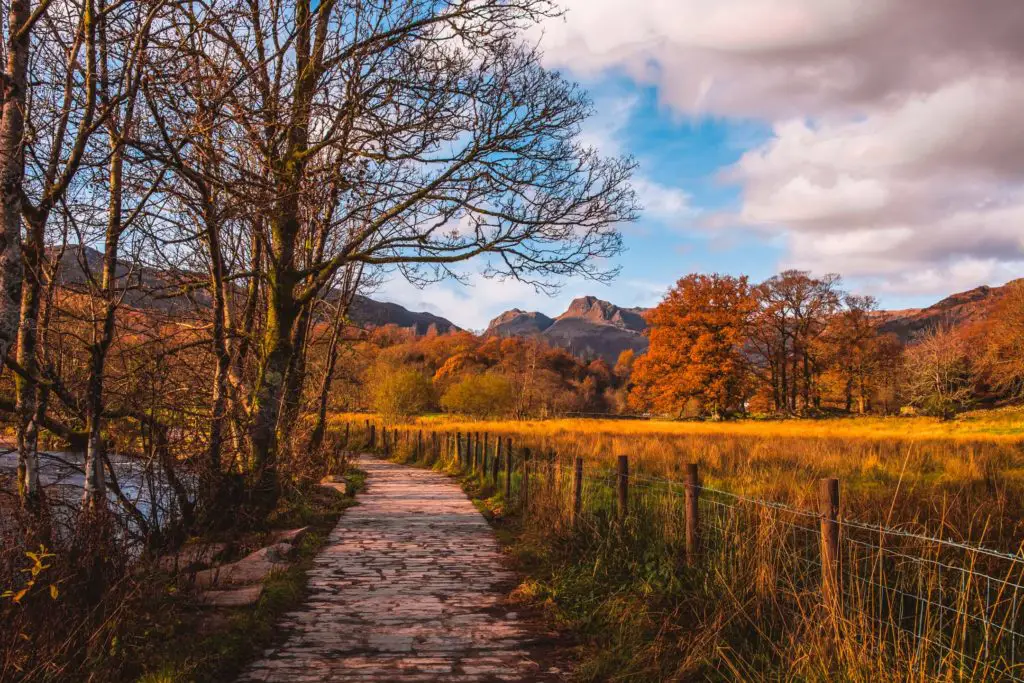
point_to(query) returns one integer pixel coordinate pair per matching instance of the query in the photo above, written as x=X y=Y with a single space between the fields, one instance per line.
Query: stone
x=292 y=536
x=252 y=568
x=411 y=586
x=191 y=556
x=235 y=597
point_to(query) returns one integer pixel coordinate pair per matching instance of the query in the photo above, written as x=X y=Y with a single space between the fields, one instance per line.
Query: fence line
x=957 y=606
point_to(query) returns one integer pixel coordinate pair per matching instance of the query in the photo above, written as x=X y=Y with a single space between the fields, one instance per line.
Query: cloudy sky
x=880 y=139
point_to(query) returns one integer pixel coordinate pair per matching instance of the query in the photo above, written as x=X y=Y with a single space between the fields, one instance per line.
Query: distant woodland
x=719 y=346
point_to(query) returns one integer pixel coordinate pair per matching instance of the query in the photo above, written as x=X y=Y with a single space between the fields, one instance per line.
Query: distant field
x=963 y=478
x=1005 y=424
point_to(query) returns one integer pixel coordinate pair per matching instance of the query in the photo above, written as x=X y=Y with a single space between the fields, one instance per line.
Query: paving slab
x=411 y=586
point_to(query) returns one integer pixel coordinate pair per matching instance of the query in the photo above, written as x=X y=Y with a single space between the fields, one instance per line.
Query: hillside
x=154 y=289
x=593 y=327
x=371 y=313
x=963 y=308
x=589 y=327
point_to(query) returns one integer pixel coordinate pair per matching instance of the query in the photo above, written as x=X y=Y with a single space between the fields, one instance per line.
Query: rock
x=196 y=554
x=329 y=482
x=252 y=568
x=292 y=536
x=236 y=597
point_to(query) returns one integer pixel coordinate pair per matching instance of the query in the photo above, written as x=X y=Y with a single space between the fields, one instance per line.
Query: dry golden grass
x=751 y=607
x=962 y=478
x=1004 y=426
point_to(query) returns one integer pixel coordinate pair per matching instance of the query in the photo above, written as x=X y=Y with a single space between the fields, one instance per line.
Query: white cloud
x=786 y=57
x=661 y=202
x=897 y=154
x=931 y=185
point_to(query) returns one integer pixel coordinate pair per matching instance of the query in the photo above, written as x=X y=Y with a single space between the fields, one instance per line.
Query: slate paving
x=410 y=587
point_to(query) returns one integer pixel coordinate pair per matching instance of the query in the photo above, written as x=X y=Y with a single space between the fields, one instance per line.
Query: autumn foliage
x=698 y=333
x=398 y=374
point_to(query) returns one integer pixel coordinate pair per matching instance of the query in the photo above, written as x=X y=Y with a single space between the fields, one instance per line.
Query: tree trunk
x=221 y=350
x=291 y=398
x=95 y=487
x=26 y=387
x=316 y=439
x=12 y=172
x=266 y=405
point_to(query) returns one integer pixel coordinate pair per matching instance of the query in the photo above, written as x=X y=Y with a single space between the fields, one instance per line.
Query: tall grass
x=751 y=607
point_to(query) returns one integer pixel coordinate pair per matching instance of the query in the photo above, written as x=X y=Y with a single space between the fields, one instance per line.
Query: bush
x=487 y=395
x=400 y=393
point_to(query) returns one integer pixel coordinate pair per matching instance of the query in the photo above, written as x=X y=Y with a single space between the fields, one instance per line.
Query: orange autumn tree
x=697 y=335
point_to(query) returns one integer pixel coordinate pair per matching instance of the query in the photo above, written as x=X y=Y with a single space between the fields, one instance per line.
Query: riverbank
x=151 y=623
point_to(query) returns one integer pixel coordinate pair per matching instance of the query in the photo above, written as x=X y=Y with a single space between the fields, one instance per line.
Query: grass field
x=999 y=425
x=751 y=606
x=960 y=478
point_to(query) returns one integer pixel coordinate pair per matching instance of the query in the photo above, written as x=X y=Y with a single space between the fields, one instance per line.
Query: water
x=143 y=484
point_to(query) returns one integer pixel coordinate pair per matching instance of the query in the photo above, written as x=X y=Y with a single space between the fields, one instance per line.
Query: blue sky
x=827 y=135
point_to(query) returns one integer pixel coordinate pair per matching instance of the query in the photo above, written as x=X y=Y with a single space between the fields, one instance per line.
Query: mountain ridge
x=588 y=327
x=592 y=326
x=161 y=290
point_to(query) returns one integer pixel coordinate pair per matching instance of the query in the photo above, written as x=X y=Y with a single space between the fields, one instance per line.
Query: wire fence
x=948 y=610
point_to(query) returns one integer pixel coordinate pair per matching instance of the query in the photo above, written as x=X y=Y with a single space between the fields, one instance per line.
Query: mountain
x=590 y=327
x=370 y=313
x=147 y=288
x=593 y=327
x=161 y=290
x=964 y=308
x=519 y=323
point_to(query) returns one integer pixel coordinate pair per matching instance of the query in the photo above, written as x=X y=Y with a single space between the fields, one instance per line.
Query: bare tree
x=939 y=380
x=62 y=116
x=439 y=137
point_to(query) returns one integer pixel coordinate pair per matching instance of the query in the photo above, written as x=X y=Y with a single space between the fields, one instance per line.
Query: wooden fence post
x=419 y=446
x=458 y=448
x=508 y=471
x=692 y=512
x=483 y=459
x=476 y=454
x=577 y=490
x=622 y=485
x=373 y=436
x=348 y=426
x=496 y=460
x=525 y=485
x=828 y=509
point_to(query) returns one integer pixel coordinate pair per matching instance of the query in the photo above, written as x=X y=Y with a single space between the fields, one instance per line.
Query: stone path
x=409 y=588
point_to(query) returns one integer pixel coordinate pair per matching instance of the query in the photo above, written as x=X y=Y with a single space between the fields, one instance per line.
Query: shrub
x=400 y=393
x=487 y=395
